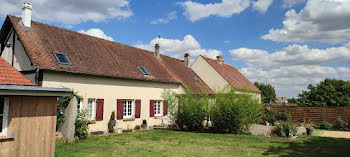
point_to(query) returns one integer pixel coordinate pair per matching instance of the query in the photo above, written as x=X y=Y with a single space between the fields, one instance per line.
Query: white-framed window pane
x=157 y=107
x=4 y=108
x=90 y=109
x=127 y=111
x=2 y=104
x=79 y=105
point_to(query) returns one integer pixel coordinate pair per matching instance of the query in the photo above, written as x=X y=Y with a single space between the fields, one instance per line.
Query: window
x=79 y=105
x=143 y=70
x=157 y=107
x=4 y=108
x=91 y=109
x=62 y=58
x=127 y=109
x=194 y=78
x=236 y=78
x=228 y=77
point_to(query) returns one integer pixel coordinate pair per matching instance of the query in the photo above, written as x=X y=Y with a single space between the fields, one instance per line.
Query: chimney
x=187 y=60
x=219 y=59
x=157 y=52
x=27 y=15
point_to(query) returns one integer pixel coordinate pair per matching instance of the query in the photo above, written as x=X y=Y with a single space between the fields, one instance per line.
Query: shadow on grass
x=312 y=146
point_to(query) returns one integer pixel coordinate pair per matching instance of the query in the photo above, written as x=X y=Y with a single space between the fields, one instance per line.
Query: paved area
x=336 y=134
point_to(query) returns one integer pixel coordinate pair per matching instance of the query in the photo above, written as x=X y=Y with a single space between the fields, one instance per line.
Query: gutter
x=33 y=91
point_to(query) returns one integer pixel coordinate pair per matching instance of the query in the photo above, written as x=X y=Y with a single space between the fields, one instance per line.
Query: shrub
x=273 y=116
x=81 y=125
x=285 y=129
x=325 y=125
x=234 y=113
x=341 y=124
x=62 y=104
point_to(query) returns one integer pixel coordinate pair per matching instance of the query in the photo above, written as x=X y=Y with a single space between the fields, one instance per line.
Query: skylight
x=194 y=78
x=62 y=58
x=236 y=78
x=228 y=77
x=143 y=70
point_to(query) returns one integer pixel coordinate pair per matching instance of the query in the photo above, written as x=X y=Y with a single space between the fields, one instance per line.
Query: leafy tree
x=329 y=92
x=267 y=92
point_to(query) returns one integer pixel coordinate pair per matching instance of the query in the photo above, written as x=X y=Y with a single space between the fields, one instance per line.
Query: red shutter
x=137 y=108
x=119 y=108
x=165 y=109
x=99 y=109
x=151 y=108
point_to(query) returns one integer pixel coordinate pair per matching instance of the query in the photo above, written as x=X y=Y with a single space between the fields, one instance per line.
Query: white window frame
x=4 y=126
x=80 y=104
x=93 y=109
x=158 y=107
x=126 y=108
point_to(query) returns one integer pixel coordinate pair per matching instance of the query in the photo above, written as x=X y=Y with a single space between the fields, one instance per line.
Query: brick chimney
x=219 y=59
x=27 y=15
x=157 y=52
x=187 y=59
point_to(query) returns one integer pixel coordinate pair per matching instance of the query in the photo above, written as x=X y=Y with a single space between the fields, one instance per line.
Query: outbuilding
x=27 y=115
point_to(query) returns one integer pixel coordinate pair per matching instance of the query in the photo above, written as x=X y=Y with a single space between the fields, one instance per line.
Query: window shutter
x=151 y=108
x=137 y=108
x=99 y=109
x=119 y=108
x=165 y=109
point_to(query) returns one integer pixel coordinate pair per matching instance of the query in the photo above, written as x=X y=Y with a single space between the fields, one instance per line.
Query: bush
x=325 y=125
x=341 y=124
x=81 y=125
x=62 y=104
x=273 y=116
x=234 y=113
x=285 y=129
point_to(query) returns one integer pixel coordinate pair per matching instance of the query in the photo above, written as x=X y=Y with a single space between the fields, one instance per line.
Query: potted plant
x=309 y=125
x=144 y=124
x=111 y=123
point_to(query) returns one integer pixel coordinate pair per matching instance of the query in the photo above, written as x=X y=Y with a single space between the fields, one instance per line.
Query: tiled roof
x=185 y=75
x=232 y=75
x=95 y=56
x=88 y=55
x=10 y=76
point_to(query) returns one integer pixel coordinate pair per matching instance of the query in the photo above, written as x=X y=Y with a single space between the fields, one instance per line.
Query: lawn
x=176 y=143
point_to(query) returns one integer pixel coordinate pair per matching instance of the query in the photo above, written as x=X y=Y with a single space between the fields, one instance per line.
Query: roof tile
x=10 y=76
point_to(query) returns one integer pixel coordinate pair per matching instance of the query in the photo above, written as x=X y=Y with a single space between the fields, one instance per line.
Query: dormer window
x=144 y=71
x=194 y=78
x=62 y=58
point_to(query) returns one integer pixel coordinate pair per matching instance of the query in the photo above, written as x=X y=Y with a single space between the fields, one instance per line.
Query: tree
x=267 y=92
x=329 y=92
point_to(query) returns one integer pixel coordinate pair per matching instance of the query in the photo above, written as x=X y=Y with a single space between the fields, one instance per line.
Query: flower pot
x=111 y=125
x=309 y=131
x=144 y=126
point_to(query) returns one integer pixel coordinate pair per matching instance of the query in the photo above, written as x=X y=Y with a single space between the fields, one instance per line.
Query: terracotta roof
x=10 y=76
x=185 y=75
x=232 y=75
x=88 y=55
x=95 y=56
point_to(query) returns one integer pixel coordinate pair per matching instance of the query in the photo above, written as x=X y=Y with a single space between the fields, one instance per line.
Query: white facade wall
x=111 y=89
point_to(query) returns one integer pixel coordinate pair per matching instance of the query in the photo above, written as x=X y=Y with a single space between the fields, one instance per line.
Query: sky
x=286 y=43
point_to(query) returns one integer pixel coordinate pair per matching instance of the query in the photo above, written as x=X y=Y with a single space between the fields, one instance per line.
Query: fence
x=316 y=114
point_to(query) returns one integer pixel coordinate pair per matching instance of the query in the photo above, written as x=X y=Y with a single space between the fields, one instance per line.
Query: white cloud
x=320 y=20
x=227 y=41
x=292 y=68
x=70 y=12
x=177 y=48
x=195 y=11
x=171 y=16
x=96 y=32
x=262 y=5
x=291 y=3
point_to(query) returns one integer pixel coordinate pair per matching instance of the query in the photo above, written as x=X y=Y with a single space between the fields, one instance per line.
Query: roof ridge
x=223 y=62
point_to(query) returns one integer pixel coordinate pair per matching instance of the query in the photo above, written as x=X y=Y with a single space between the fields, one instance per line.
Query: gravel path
x=336 y=134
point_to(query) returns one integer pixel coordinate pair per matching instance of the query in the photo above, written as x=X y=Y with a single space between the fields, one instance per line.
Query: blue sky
x=286 y=43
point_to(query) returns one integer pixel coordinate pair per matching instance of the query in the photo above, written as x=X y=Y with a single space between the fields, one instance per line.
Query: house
x=108 y=76
x=218 y=76
x=27 y=115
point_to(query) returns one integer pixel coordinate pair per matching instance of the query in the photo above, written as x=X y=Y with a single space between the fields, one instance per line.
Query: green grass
x=318 y=132
x=176 y=143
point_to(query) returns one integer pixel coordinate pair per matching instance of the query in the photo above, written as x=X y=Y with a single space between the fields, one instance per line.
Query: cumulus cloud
x=195 y=11
x=262 y=5
x=177 y=48
x=171 y=16
x=96 y=32
x=70 y=12
x=292 y=68
x=291 y=3
x=320 y=20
